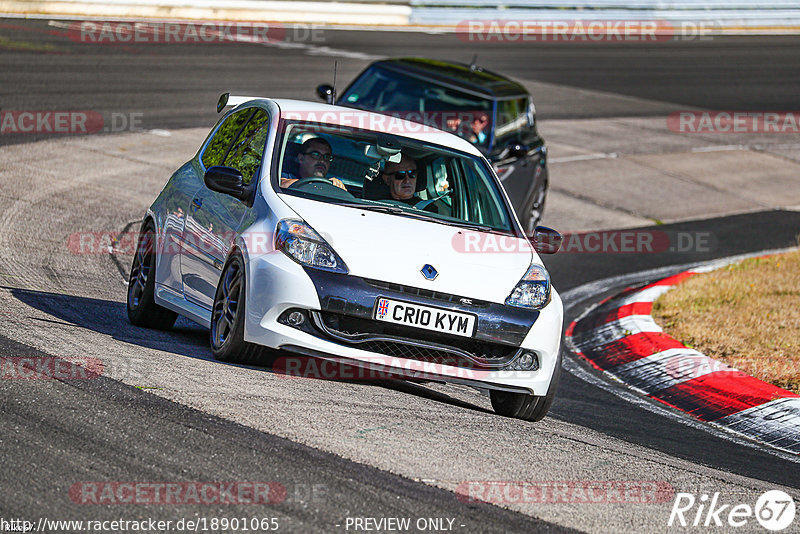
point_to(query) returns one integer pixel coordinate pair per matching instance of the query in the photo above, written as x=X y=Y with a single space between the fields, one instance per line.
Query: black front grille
x=416 y=344
x=426 y=293
x=411 y=352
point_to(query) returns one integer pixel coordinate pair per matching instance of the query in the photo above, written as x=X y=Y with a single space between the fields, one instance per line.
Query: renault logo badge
x=429 y=272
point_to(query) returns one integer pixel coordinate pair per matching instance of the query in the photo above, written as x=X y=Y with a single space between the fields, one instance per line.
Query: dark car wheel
x=527 y=407
x=142 y=309
x=228 y=315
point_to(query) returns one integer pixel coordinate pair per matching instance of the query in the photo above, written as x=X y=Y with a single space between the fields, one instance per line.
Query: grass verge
x=746 y=315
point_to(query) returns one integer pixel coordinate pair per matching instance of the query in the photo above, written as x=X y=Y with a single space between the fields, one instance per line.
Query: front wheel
x=524 y=406
x=142 y=308
x=228 y=316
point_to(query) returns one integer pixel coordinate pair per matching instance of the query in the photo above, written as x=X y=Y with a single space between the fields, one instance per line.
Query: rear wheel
x=523 y=406
x=228 y=316
x=142 y=308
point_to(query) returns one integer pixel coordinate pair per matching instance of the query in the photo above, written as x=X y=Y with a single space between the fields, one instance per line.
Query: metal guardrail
x=723 y=15
x=711 y=13
x=689 y=5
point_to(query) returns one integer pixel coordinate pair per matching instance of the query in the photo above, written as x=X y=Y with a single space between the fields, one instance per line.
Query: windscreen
x=413 y=99
x=389 y=173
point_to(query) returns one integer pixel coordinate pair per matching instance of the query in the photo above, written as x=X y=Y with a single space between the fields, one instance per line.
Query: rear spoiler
x=225 y=99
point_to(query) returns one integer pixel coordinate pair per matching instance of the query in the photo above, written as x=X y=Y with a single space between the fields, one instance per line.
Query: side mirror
x=518 y=150
x=223 y=101
x=546 y=240
x=226 y=180
x=326 y=93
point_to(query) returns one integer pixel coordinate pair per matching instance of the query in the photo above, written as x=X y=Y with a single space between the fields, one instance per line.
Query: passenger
x=401 y=178
x=477 y=126
x=313 y=161
x=474 y=132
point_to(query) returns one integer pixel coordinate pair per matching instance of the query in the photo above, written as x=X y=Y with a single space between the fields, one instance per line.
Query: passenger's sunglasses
x=319 y=155
x=402 y=175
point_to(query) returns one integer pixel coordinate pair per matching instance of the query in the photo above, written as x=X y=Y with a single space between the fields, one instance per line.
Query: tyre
x=228 y=316
x=142 y=308
x=523 y=406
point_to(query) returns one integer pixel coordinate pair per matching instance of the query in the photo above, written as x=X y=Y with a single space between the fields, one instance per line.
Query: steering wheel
x=422 y=204
x=332 y=191
x=311 y=180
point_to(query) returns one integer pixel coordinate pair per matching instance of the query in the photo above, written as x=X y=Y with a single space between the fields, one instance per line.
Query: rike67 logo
x=774 y=510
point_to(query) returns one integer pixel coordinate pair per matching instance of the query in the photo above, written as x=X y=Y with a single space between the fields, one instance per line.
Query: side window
x=441 y=187
x=512 y=120
x=247 y=151
x=441 y=182
x=217 y=148
x=484 y=202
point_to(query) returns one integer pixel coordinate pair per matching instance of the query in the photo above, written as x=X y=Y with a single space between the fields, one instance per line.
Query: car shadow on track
x=186 y=338
x=110 y=318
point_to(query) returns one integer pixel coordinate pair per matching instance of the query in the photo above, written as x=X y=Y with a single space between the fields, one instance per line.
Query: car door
x=176 y=197
x=518 y=154
x=214 y=218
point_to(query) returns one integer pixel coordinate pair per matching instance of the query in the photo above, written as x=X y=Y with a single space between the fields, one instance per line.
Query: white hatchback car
x=311 y=230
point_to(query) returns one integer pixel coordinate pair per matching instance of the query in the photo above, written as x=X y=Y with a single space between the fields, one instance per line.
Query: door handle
x=197 y=203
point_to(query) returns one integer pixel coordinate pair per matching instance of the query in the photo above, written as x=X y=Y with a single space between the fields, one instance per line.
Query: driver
x=314 y=160
x=401 y=178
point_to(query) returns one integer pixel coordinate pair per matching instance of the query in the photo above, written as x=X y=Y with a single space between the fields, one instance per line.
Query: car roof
x=345 y=116
x=475 y=79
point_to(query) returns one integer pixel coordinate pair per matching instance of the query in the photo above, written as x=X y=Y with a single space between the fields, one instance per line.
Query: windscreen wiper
x=418 y=215
x=449 y=222
x=472 y=226
x=372 y=207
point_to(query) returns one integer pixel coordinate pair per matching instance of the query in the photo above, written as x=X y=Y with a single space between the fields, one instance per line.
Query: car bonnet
x=393 y=248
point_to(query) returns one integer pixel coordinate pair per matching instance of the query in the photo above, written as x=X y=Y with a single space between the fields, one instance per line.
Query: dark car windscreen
x=413 y=99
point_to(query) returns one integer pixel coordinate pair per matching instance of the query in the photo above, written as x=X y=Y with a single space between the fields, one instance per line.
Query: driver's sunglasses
x=402 y=175
x=319 y=155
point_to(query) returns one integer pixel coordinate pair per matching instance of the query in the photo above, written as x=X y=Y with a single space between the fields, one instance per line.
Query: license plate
x=427 y=317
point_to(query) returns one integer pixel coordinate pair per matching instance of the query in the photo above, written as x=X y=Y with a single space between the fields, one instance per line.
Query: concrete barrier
x=316 y=12
x=718 y=16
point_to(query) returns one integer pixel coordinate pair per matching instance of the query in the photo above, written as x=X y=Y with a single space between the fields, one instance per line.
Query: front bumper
x=277 y=285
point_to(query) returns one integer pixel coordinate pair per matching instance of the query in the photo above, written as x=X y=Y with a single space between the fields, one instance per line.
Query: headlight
x=305 y=246
x=533 y=291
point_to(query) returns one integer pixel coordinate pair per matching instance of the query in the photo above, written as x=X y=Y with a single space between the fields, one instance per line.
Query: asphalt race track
x=164 y=411
x=171 y=85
